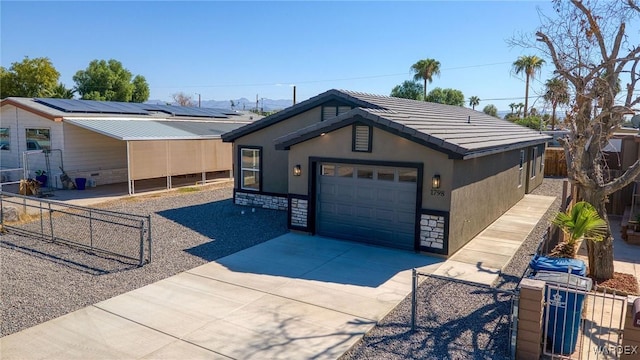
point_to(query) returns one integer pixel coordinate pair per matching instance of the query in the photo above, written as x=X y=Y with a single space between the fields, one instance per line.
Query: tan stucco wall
x=385 y=147
x=274 y=162
x=484 y=188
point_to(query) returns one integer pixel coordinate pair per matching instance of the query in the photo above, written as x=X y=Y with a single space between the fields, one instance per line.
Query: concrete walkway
x=483 y=258
x=293 y=297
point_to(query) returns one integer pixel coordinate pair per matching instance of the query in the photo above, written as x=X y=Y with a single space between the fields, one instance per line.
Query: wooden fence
x=555 y=163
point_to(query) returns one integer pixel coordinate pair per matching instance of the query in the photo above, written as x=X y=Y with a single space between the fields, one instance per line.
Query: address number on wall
x=435 y=192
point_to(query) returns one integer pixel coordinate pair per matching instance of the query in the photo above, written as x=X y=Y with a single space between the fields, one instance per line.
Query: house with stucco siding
x=386 y=171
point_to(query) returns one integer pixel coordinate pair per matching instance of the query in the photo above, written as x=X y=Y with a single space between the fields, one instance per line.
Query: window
x=521 y=174
x=386 y=174
x=329 y=112
x=534 y=158
x=250 y=170
x=328 y=170
x=361 y=141
x=345 y=171
x=38 y=139
x=5 y=139
x=407 y=175
x=364 y=173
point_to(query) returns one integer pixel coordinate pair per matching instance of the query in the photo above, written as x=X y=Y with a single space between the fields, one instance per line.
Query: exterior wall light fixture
x=435 y=181
x=297 y=170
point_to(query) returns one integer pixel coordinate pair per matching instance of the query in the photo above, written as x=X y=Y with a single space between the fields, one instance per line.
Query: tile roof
x=458 y=131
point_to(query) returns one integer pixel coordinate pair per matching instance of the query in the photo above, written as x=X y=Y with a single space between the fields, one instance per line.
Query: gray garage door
x=370 y=204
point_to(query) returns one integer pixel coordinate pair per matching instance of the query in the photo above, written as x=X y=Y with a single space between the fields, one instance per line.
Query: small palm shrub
x=582 y=221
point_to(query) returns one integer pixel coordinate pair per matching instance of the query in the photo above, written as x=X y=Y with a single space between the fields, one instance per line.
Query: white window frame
x=257 y=153
x=5 y=141
x=521 y=169
x=534 y=158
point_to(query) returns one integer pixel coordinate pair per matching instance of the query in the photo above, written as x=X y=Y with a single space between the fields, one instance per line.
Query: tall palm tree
x=424 y=70
x=519 y=106
x=474 y=101
x=557 y=92
x=513 y=106
x=529 y=65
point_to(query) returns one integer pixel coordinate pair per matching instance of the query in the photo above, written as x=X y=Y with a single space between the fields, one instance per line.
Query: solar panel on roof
x=93 y=106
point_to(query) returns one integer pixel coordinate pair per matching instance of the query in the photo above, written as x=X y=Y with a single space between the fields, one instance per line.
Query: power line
x=332 y=80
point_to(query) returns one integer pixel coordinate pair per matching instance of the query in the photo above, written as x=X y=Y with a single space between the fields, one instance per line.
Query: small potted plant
x=41 y=176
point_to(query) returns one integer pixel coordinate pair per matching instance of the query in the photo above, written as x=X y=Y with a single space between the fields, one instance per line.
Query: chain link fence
x=124 y=236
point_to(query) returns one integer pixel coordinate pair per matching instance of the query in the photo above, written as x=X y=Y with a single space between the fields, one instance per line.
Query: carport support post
x=414 y=288
x=129 y=170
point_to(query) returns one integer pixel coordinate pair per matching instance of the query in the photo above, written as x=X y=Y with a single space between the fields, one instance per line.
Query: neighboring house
x=114 y=142
x=387 y=171
x=623 y=151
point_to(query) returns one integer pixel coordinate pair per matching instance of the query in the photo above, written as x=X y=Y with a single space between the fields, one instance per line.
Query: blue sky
x=228 y=50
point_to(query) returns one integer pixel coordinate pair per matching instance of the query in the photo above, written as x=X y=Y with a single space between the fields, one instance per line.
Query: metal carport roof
x=136 y=129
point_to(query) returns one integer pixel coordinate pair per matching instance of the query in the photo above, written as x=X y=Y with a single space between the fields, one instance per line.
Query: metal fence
x=109 y=233
x=493 y=321
x=581 y=324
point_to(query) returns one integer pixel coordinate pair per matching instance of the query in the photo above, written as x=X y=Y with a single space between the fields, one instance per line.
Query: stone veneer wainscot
x=432 y=231
x=299 y=212
x=261 y=200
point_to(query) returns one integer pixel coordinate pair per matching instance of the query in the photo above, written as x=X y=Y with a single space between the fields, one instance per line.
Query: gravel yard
x=455 y=320
x=40 y=281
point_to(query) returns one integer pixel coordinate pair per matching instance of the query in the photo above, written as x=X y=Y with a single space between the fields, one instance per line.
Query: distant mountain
x=240 y=104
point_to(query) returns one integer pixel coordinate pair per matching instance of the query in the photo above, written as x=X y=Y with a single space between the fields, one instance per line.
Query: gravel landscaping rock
x=457 y=320
x=40 y=280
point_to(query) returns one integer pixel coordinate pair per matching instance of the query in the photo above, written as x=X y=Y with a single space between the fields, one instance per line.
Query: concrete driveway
x=293 y=297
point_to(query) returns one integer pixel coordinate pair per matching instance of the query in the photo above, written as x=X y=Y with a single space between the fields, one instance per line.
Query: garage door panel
x=385 y=215
x=380 y=212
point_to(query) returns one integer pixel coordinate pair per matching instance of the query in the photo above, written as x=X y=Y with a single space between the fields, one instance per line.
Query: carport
x=167 y=148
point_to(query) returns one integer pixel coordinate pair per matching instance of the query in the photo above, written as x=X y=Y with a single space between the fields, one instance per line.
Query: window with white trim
x=38 y=139
x=534 y=158
x=5 y=139
x=250 y=169
x=521 y=169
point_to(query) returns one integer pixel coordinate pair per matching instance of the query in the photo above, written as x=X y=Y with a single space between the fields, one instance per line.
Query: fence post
x=530 y=310
x=141 y=243
x=91 y=229
x=631 y=339
x=149 y=236
x=41 y=219
x=414 y=287
x=51 y=223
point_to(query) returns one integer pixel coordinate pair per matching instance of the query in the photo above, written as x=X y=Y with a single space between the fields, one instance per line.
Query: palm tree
x=557 y=93
x=519 y=106
x=424 y=70
x=473 y=101
x=529 y=65
x=61 y=92
x=580 y=222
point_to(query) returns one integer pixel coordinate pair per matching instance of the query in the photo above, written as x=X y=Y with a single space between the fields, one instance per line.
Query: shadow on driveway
x=230 y=227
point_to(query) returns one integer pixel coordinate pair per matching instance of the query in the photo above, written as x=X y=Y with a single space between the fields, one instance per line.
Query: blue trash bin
x=564 y=295
x=544 y=263
x=81 y=183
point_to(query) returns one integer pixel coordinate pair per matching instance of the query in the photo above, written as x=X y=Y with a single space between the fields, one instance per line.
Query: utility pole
x=256 y=103
x=198 y=99
x=294 y=94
